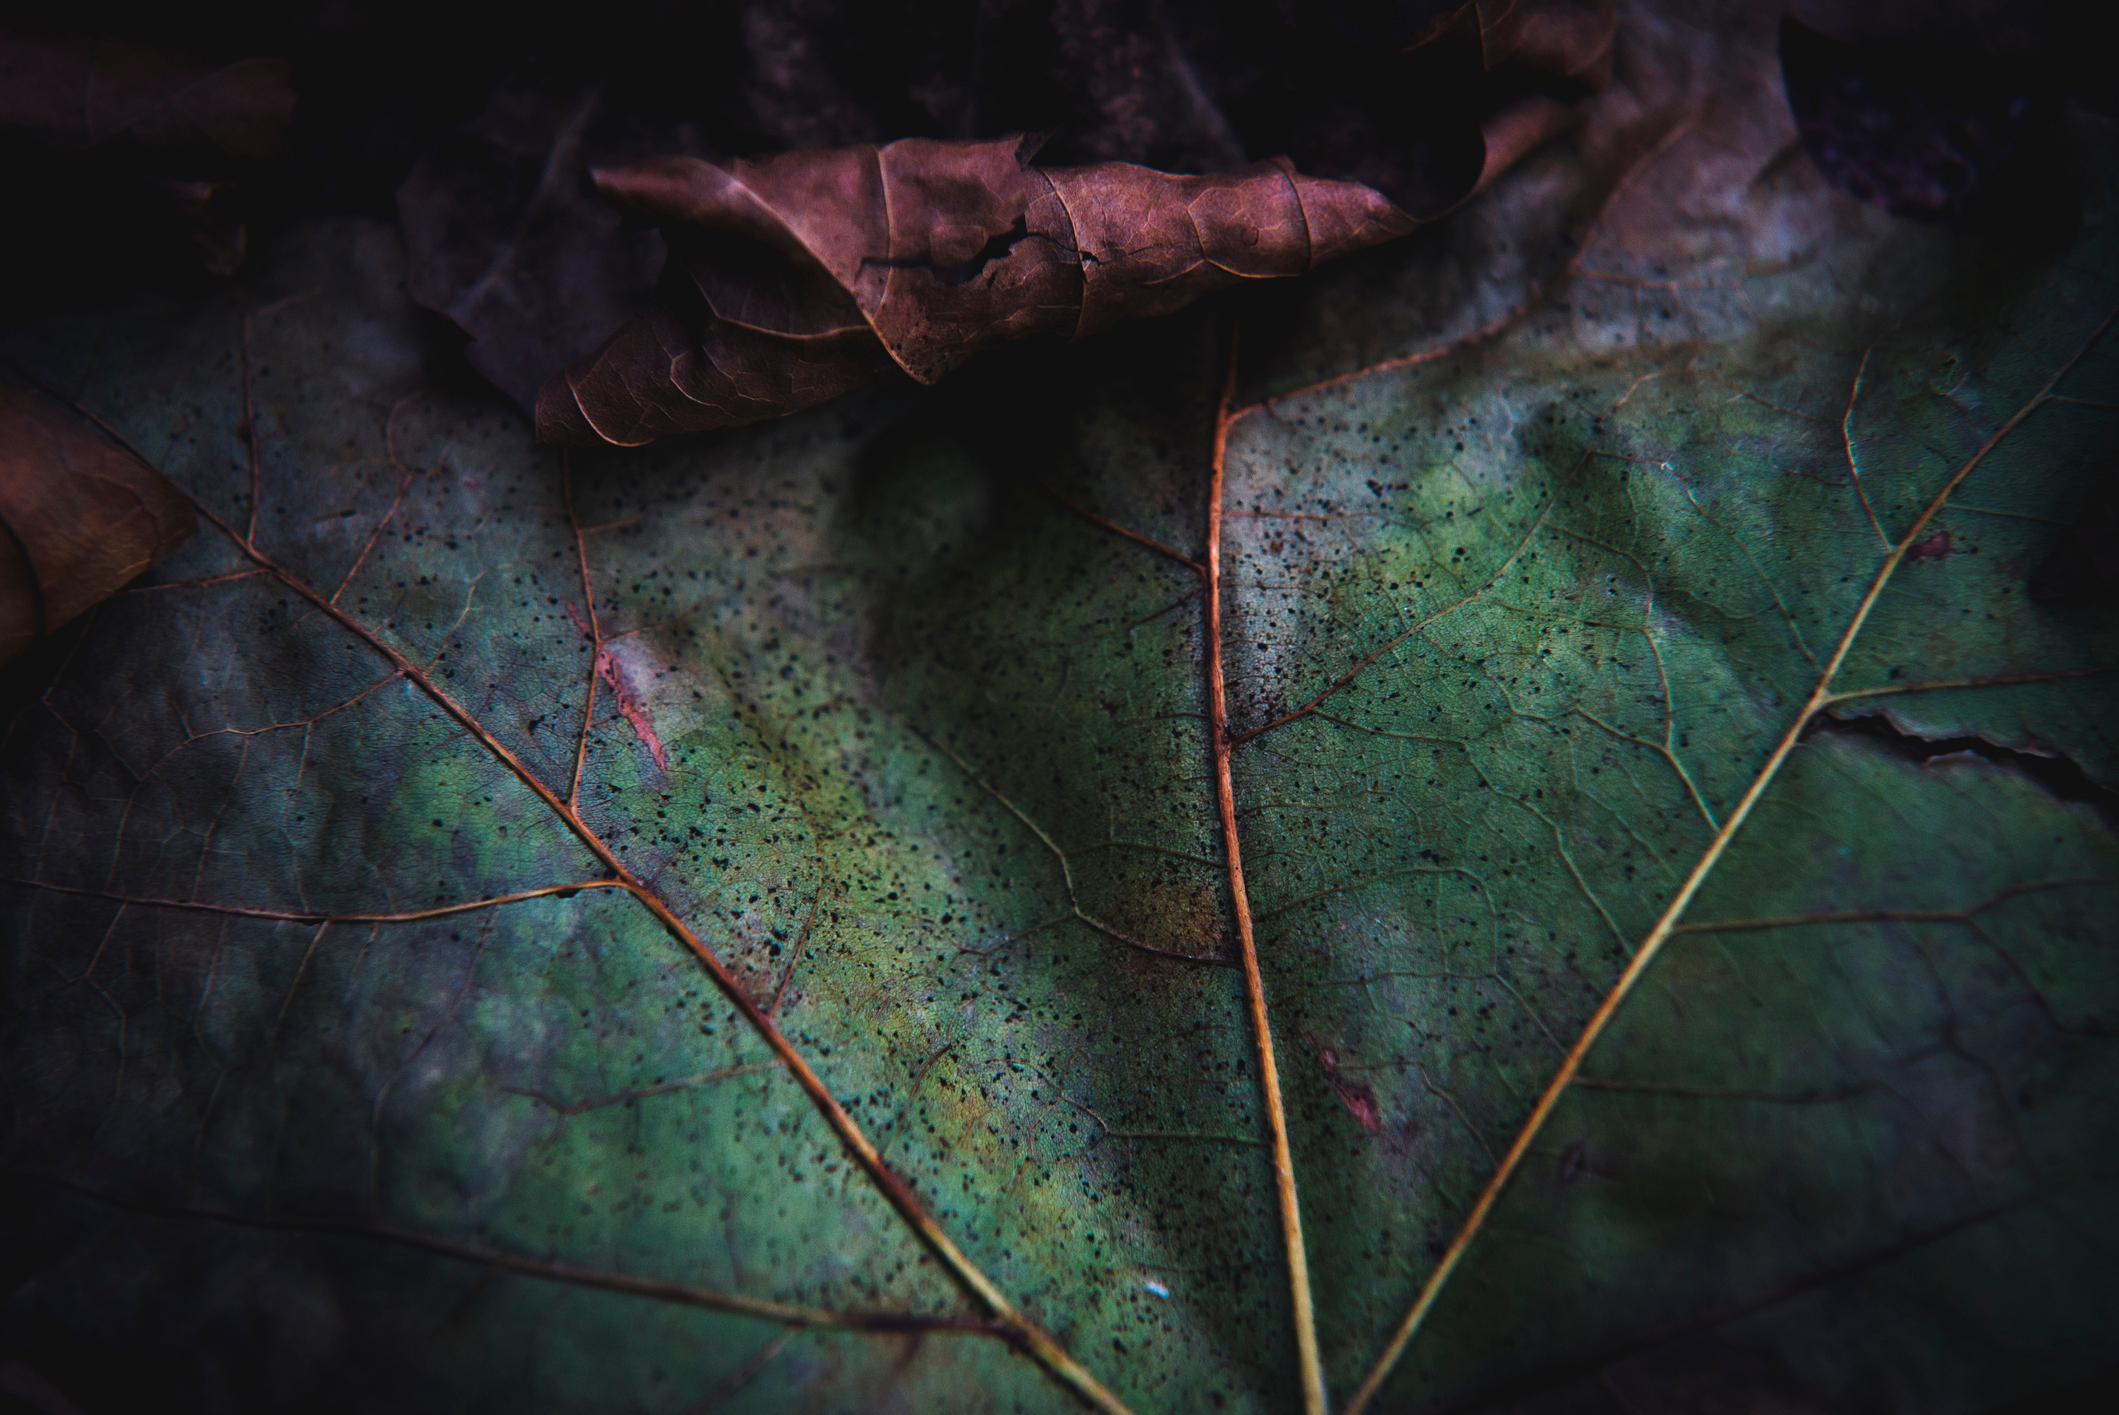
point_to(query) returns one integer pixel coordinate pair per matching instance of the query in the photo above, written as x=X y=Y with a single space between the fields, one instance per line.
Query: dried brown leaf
x=1423 y=102
x=796 y=278
x=79 y=517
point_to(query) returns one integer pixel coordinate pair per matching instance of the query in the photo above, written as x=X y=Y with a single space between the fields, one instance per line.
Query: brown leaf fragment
x=79 y=517
x=797 y=277
x=1423 y=100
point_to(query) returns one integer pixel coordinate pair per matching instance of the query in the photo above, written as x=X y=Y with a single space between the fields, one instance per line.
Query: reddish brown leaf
x=79 y=516
x=1422 y=101
x=795 y=278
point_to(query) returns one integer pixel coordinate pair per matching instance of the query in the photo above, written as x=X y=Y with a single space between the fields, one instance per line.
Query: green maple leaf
x=807 y=918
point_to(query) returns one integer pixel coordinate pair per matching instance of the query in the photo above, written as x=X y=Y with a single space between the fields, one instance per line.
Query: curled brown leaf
x=79 y=517
x=796 y=278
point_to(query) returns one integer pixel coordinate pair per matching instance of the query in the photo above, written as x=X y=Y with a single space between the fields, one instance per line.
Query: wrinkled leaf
x=803 y=276
x=80 y=517
x=1677 y=645
x=1424 y=102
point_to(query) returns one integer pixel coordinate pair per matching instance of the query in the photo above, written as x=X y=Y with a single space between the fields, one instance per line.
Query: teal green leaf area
x=751 y=925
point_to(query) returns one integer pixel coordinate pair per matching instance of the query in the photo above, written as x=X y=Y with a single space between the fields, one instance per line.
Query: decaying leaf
x=798 y=277
x=80 y=517
x=1423 y=102
x=802 y=276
